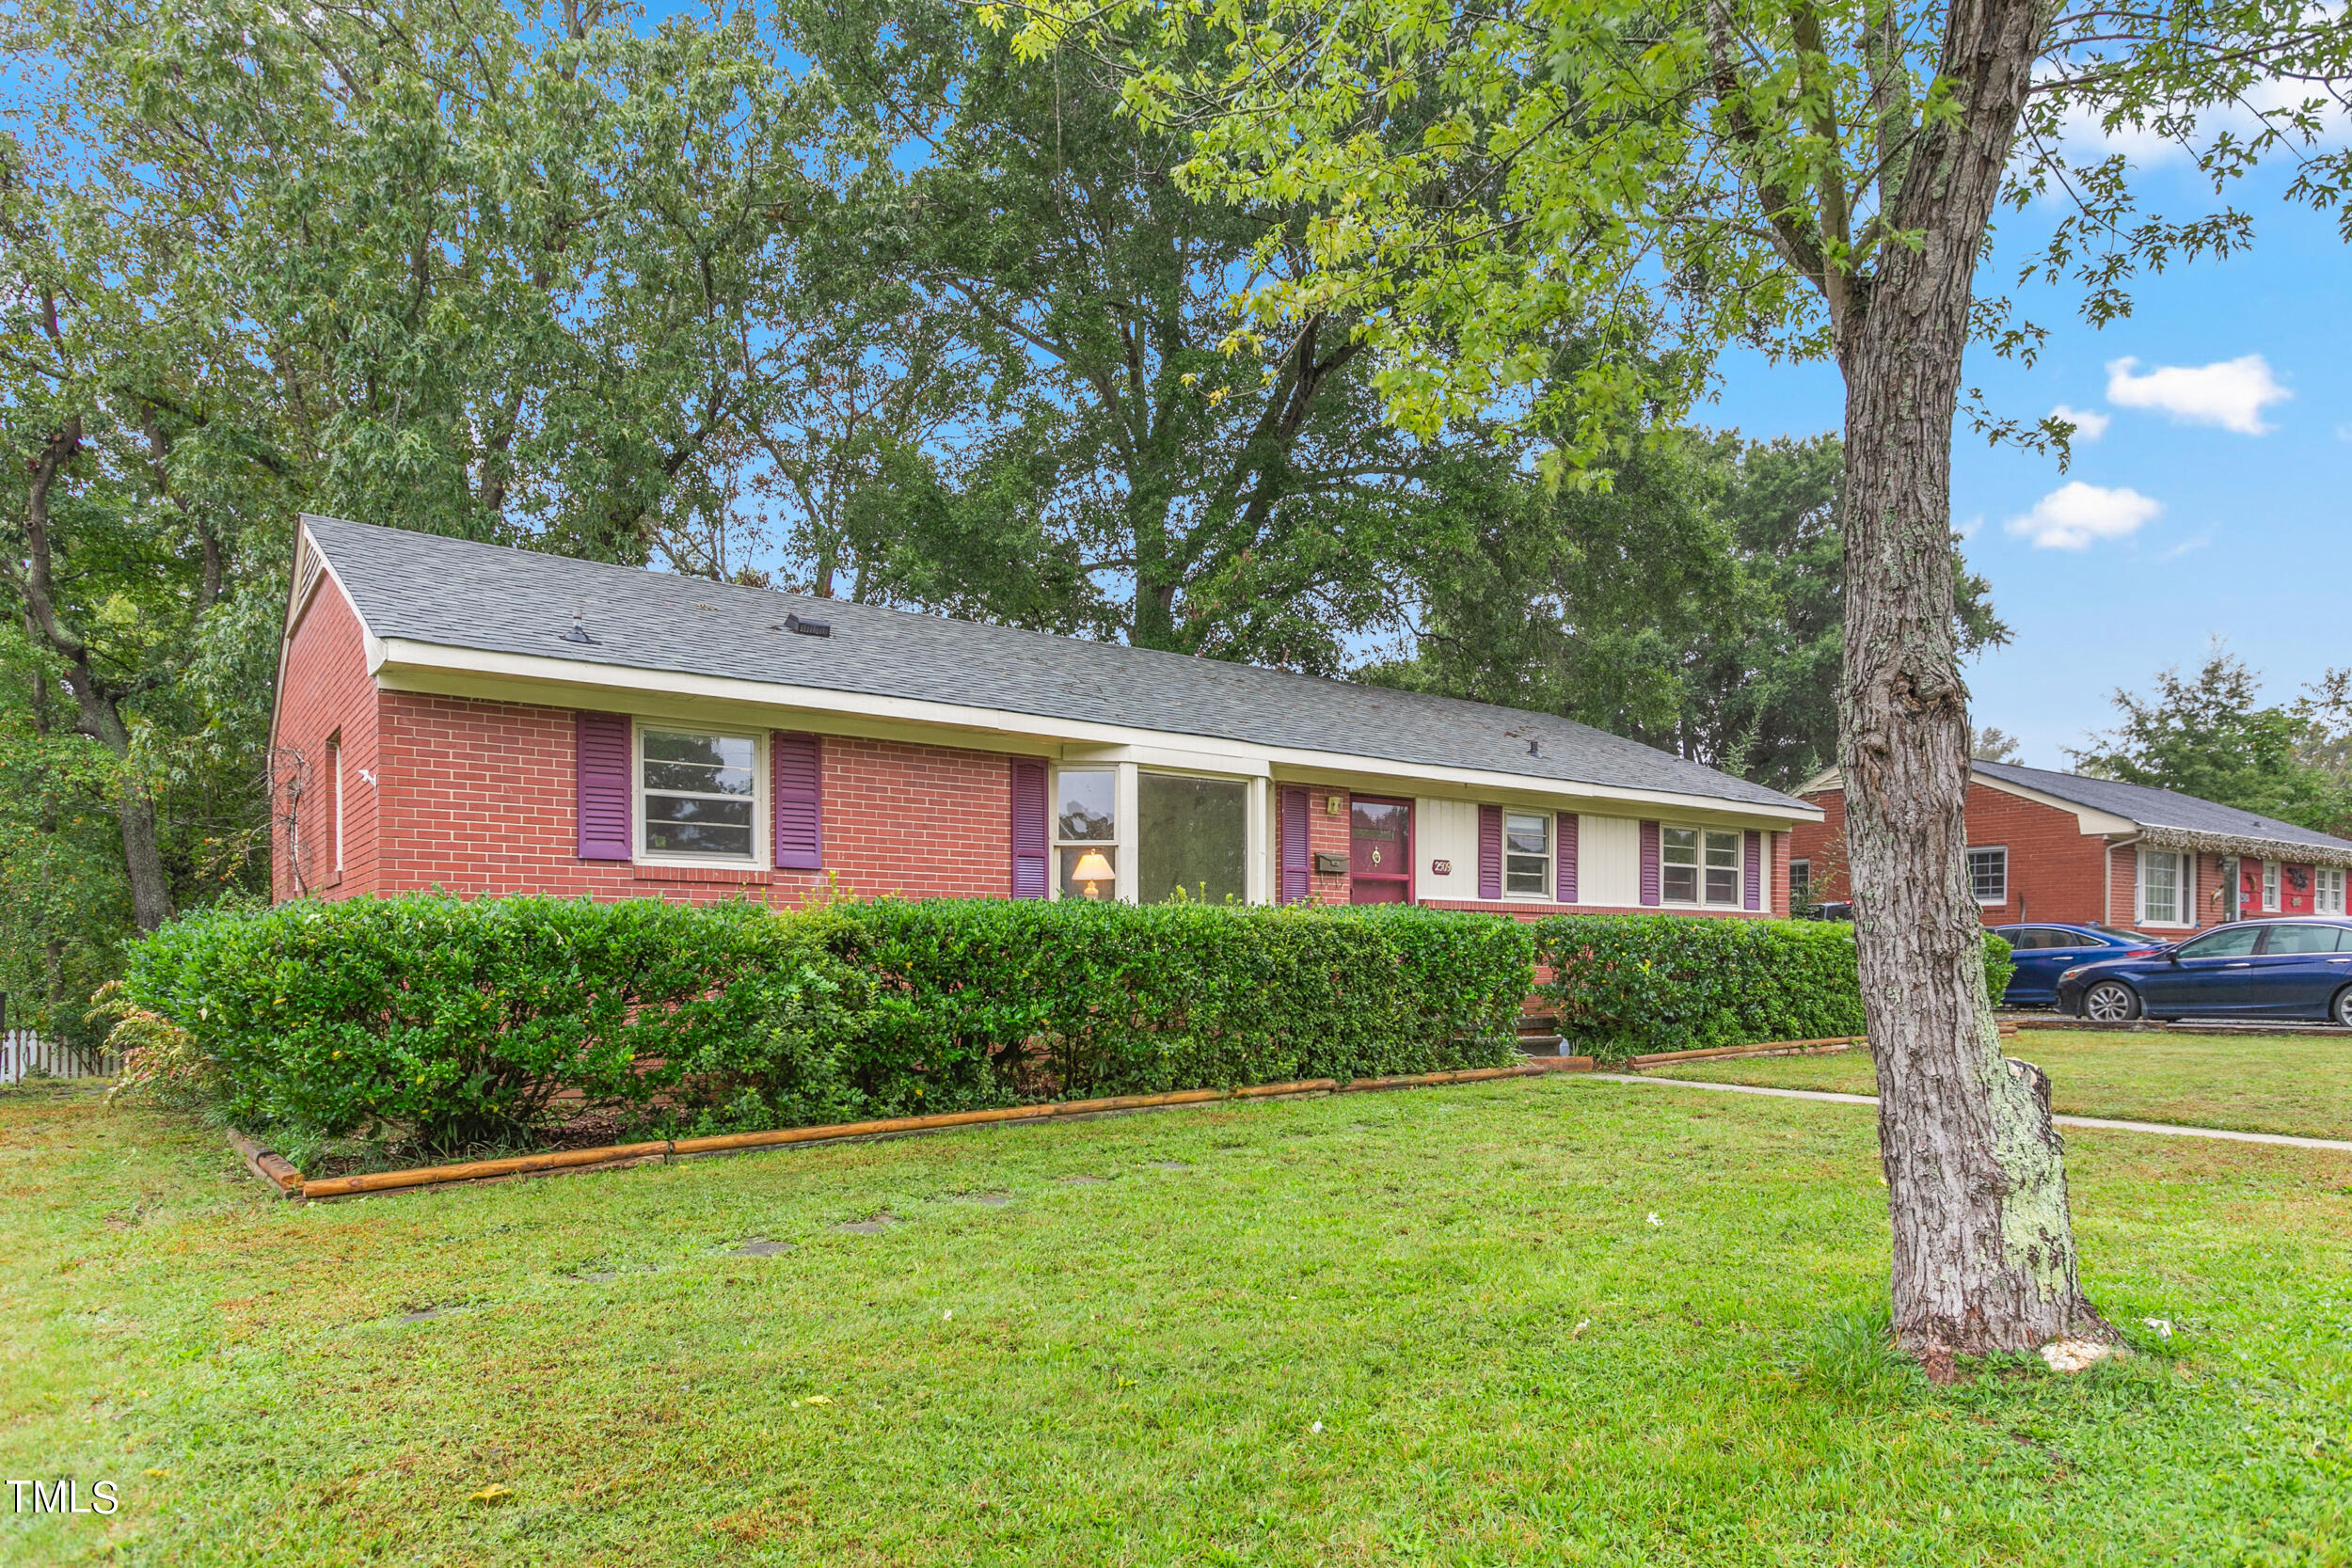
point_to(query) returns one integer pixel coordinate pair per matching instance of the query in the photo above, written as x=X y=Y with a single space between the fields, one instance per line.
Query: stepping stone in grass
x=759 y=1249
x=1083 y=1180
x=430 y=1311
x=874 y=1226
x=595 y=1276
x=1169 y=1165
x=987 y=1200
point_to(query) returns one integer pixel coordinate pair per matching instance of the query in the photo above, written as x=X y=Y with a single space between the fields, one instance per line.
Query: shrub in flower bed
x=458 y=1022
x=989 y=1002
x=455 y=1023
x=1629 y=985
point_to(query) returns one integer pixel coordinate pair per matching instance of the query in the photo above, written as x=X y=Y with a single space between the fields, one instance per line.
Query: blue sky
x=2225 y=533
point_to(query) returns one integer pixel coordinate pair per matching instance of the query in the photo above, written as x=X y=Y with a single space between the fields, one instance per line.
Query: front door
x=1380 y=851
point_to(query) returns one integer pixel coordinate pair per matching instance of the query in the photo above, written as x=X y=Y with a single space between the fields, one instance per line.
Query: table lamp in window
x=1092 y=870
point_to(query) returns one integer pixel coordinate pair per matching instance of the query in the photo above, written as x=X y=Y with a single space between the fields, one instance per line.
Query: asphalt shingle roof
x=455 y=594
x=2158 y=808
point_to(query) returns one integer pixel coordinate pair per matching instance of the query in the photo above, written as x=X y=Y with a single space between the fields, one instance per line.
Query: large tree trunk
x=1983 y=1251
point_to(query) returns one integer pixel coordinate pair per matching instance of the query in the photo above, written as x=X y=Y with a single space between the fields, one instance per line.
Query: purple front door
x=1380 y=851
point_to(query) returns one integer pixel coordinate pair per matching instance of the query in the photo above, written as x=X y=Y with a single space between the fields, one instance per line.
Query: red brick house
x=2073 y=849
x=491 y=720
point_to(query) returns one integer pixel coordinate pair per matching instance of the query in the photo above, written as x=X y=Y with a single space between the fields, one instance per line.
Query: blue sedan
x=2254 y=969
x=2042 y=952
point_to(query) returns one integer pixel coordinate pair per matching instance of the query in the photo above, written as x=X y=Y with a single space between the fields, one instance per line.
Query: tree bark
x=1983 y=1251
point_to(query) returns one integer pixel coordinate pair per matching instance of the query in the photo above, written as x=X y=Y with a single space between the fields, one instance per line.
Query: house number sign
x=1441 y=869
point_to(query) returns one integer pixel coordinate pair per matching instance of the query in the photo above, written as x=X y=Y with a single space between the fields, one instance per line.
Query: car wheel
x=2342 y=1010
x=2112 y=1001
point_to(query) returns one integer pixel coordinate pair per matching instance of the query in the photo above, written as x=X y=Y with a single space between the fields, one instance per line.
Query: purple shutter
x=603 y=769
x=1029 y=830
x=1296 y=827
x=1649 y=863
x=797 y=763
x=1563 y=879
x=1754 y=893
x=1490 y=851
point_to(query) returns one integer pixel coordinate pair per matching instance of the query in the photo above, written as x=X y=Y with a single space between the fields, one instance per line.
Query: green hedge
x=459 y=1022
x=1627 y=985
x=456 y=1022
x=1115 y=999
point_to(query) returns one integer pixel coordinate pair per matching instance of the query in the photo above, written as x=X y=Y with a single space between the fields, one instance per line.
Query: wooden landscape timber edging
x=294 y=1185
x=1828 y=1046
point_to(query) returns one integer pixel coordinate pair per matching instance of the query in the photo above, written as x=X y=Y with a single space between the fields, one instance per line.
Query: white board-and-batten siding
x=1609 y=855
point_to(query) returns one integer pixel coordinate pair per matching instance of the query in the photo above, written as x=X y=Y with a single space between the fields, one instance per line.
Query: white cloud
x=2230 y=393
x=2186 y=545
x=2074 y=517
x=2089 y=424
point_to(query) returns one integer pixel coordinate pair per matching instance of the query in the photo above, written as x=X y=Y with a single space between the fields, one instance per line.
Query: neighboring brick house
x=2075 y=851
x=491 y=720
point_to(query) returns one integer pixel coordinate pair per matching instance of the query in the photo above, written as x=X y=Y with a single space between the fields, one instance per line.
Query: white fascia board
x=2095 y=823
x=402 y=664
x=301 y=594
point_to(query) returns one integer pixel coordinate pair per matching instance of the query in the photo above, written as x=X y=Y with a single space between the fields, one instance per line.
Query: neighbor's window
x=2270 y=887
x=1685 y=853
x=697 y=793
x=1988 y=874
x=1527 y=852
x=2164 y=892
x=1800 y=883
x=2328 y=890
x=1085 y=831
x=1192 y=839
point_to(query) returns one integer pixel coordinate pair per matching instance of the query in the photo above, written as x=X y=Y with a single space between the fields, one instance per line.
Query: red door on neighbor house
x=1379 y=851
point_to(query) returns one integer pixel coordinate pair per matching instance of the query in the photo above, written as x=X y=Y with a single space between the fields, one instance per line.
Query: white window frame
x=762 y=805
x=2270 y=887
x=1739 y=867
x=1122 y=825
x=2327 y=890
x=1551 y=857
x=1804 y=865
x=2184 y=888
x=335 y=785
x=1970 y=861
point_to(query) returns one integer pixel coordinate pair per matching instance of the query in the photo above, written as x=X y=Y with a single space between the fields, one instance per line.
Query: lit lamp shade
x=1091 y=868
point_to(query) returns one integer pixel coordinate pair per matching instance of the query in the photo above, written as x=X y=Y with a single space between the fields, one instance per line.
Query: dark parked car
x=2254 y=969
x=2042 y=953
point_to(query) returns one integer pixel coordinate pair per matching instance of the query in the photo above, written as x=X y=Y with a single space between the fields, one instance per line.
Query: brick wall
x=2056 y=872
x=328 y=695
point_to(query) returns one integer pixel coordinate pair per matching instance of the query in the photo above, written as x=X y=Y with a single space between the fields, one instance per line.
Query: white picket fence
x=24 y=1055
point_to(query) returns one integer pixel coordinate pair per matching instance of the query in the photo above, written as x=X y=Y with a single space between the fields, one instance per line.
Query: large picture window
x=1693 y=861
x=697 y=794
x=1988 y=874
x=1527 y=853
x=1086 y=833
x=2163 y=890
x=1192 y=839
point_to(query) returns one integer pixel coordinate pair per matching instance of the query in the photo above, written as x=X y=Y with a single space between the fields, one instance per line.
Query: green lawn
x=1539 y=1320
x=2299 y=1083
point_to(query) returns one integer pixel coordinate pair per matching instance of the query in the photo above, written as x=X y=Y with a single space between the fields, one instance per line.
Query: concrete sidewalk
x=2163 y=1129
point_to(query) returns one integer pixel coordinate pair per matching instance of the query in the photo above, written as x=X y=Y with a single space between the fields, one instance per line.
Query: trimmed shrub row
x=1629 y=985
x=457 y=1024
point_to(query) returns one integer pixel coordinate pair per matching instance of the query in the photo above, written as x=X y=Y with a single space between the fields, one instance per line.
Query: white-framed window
x=1192 y=838
x=335 y=793
x=2328 y=890
x=698 y=795
x=1699 y=865
x=1086 y=833
x=1988 y=874
x=1527 y=854
x=2165 y=891
x=1800 y=884
x=2270 y=887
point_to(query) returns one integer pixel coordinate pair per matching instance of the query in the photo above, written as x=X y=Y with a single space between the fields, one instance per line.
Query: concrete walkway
x=2165 y=1129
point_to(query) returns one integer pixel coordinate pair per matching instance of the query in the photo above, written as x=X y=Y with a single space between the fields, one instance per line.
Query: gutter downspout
x=2108 y=889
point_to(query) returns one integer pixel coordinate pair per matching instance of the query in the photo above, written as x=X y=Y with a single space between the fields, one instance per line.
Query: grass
x=1543 y=1321
x=2295 y=1084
